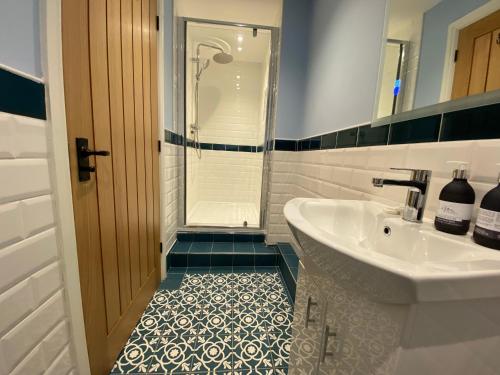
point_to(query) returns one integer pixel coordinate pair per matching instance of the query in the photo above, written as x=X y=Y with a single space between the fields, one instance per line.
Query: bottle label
x=488 y=223
x=454 y=212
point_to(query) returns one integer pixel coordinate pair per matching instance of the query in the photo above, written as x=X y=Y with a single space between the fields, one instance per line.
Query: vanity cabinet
x=307 y=327
x=346 y=334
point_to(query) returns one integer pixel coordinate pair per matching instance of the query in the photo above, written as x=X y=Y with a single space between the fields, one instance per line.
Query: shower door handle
x=83 y=153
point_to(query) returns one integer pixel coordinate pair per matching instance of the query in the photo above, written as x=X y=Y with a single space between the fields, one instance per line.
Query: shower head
x=223 y=58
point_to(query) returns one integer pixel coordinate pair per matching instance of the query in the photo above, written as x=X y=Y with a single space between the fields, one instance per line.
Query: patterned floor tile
x=136 y=355
x=213 y=353
x=252 y=352
x=152 y=323
x=213 y=323
x=280 y=348
x=173 y=355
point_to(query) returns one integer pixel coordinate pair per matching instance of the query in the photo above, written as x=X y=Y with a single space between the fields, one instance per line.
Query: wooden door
x=110 y=80
x=477 y=68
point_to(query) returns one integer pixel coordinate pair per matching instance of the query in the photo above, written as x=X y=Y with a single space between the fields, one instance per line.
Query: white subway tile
x=434 y=156
x=33 y=363
x=27 y=334
x=385 y=157
x=46 y=281
x=11 y=224
x=19 y=260
x=15 y=303
x=22 y=137
x=485 y=156
x=23 y=178
x=37 y=214
x=55 y=341
x=62 y=365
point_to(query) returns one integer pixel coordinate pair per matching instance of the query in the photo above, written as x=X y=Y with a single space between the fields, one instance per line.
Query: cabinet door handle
x=327 y=336
x=308 y=311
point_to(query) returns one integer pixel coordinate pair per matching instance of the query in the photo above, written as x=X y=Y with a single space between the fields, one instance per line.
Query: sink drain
x=387 y=231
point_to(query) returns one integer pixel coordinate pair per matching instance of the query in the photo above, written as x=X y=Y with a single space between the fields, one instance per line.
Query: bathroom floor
x=214 y=323
x=224 y=214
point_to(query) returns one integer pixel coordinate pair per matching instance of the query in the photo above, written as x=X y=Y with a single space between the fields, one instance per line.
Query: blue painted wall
x=295 y=33
x=20 y=36
x=168 y=60
x=344 y=58
x=433 y=48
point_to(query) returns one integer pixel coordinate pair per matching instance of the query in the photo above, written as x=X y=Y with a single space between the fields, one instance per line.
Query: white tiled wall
x=347 y=174
x=227 y=114
x=34 y=331
x=171 y=181
x=224 y=176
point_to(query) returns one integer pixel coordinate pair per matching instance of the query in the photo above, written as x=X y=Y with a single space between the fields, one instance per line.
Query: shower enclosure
x=228 y=71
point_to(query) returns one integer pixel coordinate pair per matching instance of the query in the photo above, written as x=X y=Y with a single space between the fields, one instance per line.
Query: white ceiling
x=253 y=49
x=403 y=12
x=257 y=12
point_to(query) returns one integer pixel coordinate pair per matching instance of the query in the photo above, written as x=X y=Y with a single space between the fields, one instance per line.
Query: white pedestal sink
x=395 y=297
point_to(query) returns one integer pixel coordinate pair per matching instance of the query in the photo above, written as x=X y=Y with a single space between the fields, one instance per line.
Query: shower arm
x=198 y=70
x=208 y=46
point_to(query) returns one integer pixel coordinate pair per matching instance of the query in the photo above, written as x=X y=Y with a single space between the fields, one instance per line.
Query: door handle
x=83 y=153
x=325 y=351
x=308 y=311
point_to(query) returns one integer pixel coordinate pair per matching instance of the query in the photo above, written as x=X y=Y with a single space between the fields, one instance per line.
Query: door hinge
x=159 y=146
x=161 y=247
x=455 y=58
x=157 y=22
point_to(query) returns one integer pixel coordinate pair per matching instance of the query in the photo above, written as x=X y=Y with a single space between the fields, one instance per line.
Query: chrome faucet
x=417 y=193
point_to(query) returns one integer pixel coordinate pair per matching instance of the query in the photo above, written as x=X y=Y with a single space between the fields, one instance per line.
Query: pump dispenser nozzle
x=461 y=171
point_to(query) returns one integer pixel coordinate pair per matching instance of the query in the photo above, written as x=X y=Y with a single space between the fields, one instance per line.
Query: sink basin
x=372 y=251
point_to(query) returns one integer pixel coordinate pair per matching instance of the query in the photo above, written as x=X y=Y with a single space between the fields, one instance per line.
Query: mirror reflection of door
x=477 y=68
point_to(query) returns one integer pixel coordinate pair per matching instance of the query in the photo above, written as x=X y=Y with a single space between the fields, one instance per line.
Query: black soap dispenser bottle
x=487 y=229
x=456 y=203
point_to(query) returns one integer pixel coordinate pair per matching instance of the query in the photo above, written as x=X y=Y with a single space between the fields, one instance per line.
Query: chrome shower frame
x=180 y=60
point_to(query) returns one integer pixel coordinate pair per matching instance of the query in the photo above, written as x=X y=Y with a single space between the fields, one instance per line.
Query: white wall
x=256 y=12
x=228 y=115
x=344 y=58
x=347 y=174
x=34 y=330
x=20 y=36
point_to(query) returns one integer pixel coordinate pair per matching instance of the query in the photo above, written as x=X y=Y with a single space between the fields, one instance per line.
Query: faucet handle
x=422 y=175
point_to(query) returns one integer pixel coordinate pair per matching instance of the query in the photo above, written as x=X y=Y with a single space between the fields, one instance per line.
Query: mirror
x=439 y=51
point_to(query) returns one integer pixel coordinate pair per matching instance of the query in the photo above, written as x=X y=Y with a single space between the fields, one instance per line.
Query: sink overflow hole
x=387 y=231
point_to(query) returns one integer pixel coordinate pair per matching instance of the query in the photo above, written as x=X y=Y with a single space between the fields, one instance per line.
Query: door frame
x=180 y=126
x=452 y=44
x=51 y=22
x=52 y=63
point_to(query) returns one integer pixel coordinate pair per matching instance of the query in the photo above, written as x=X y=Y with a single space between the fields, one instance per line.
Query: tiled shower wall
x=347 y=174
x=172 y=183
x=34 y=331
x=225 y=176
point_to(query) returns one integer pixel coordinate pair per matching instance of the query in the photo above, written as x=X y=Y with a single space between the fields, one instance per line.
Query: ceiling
x=403 y=13
x=230 y=38
x=256 y=12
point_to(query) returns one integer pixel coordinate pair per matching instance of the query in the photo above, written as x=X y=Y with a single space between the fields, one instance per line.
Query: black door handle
x=83 y=153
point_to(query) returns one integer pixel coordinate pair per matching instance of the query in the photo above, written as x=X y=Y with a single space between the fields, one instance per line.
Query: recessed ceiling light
x=240 y=49
x=238 y=77
x=240 y=38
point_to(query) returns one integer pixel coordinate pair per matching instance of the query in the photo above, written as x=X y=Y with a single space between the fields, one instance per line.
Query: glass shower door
x=227 y=69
